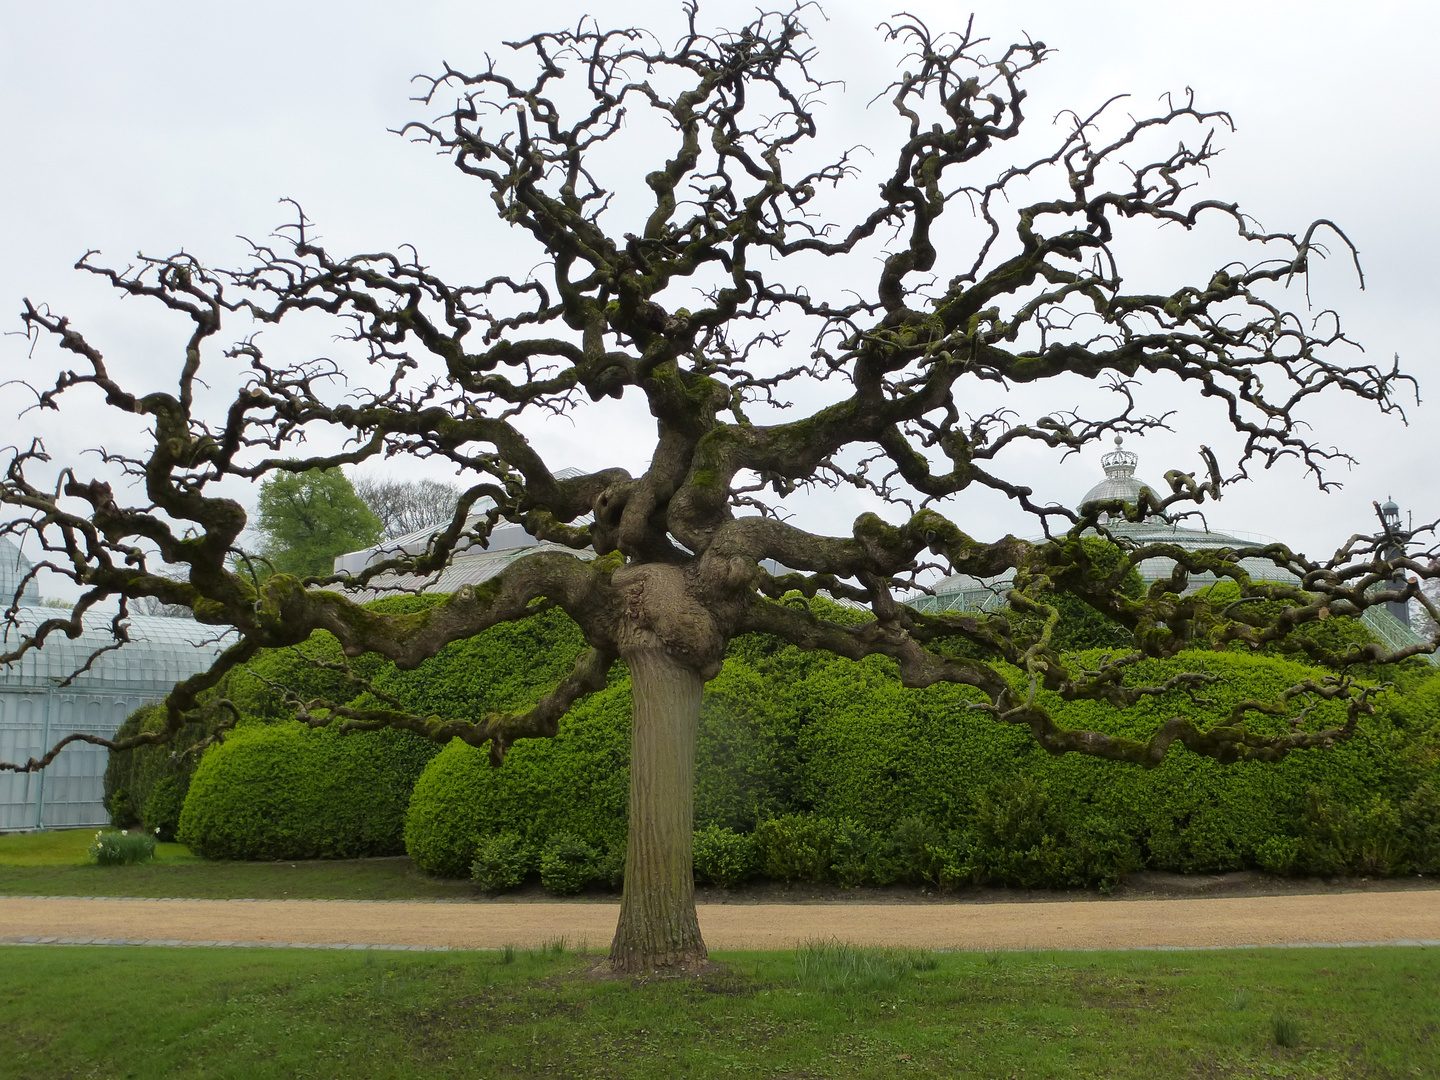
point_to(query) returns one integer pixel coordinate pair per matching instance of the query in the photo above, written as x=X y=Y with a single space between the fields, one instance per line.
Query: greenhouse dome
x=42 y=699
x=960 y=592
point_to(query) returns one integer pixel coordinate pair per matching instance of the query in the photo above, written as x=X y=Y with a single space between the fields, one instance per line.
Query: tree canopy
x=407 y=506
x=782 y=337
x=306 y=519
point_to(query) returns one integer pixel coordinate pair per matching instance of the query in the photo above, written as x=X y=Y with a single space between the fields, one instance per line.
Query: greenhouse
x=42 y=699
x=960 y=592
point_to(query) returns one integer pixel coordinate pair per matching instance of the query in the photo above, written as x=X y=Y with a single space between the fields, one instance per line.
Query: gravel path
x=1348 y=918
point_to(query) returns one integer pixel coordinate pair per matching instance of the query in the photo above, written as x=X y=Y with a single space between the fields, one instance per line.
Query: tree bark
x=658 y=927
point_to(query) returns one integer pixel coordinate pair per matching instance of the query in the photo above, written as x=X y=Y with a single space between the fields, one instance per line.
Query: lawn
x=54 y=863
x=835 y=1013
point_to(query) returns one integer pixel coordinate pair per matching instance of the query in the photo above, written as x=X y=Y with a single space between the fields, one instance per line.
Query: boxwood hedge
x=813 y=767
x=837 y=773
x=285 y=791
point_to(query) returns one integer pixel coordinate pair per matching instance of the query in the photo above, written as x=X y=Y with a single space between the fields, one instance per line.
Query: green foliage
x=123 y=848
x=724 y=857
x=161 y=815
x=502 y=862
x=822 y=769
x=795 y=847
x=146 y=785
x=1081 y=626
x=1338 y=634
x=576 y=783
x=285 y=791
x=568 y=864
x=307 y=519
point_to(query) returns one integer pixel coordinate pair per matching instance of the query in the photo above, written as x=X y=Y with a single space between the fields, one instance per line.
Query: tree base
x=671 y=965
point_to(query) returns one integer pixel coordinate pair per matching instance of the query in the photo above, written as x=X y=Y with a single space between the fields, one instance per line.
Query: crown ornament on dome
x=1120 y=463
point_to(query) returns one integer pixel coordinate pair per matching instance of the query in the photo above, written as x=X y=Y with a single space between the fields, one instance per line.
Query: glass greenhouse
x=962 y=593
x=37 y=707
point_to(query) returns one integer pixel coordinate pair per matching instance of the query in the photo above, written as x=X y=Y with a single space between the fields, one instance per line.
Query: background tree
x=407 y=506
x=696 y=292
x=307 y=518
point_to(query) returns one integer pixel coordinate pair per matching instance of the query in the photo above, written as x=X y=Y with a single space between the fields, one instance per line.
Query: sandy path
x=1261 y=920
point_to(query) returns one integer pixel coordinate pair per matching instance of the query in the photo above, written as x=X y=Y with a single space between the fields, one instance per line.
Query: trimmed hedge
x=579 y=782
x=285 y=791
x=280 y=790
x=815 y=768
x=145 y=786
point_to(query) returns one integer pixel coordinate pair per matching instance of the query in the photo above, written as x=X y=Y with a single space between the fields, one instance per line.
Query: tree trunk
x=658 y=927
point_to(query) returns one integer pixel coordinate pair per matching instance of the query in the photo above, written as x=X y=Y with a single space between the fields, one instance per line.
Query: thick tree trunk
x=658 y=927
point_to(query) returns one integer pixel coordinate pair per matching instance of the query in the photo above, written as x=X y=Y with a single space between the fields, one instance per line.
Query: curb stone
x=177 y=943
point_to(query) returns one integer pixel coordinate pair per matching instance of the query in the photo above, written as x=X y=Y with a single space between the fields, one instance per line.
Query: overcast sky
x=157 y=126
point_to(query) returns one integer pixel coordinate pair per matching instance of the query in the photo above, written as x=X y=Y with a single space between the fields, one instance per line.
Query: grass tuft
x=1285 y=1030
x=834 y=967
x=1240 y=1000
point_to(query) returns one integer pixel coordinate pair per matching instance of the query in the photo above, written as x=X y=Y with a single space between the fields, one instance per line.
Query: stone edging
x=178 y=943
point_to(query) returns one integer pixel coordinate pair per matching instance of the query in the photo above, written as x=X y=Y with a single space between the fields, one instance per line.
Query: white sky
x=158 y=126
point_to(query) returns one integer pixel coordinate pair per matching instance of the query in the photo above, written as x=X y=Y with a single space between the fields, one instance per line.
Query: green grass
x=68 y=847
x=152 y=1012
x=55 y=863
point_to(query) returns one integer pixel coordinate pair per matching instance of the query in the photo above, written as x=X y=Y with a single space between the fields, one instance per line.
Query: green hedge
x=811 y=767
x=285 y=791
x=316 y=794
x=816 y=768
x=145 y=786
x=578 y=783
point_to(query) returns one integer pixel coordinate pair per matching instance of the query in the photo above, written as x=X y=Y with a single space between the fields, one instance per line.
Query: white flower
x=124 y=832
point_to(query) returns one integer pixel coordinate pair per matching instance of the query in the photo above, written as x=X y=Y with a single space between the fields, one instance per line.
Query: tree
x=405 y=507
x=307 y=518
x=698 y=309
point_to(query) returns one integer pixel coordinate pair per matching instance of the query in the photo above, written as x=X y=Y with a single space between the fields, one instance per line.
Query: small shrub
x=1105 y=853
x=724 y=857
x=1420 y=829
x=1278 y=854
x=794 y=847
x=855 y=854
x=610 y=870
x=501 y=863
x=1339 y=837
x=1013 y=838
x=916 y=852
x=568 y=864
x=122 y=848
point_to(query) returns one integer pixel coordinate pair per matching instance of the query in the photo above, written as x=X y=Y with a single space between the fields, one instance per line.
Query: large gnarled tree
x=715 y=308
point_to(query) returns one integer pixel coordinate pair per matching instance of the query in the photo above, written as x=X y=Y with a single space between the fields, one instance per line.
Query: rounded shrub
x=285 y=791
x=145 y=786
x=568 y=864
x=502 y=862
x=576 y=783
